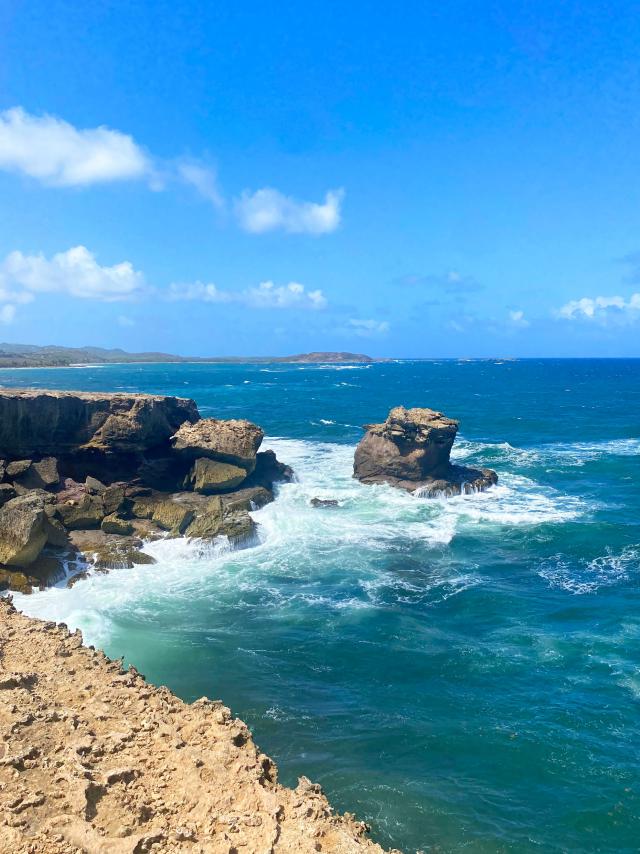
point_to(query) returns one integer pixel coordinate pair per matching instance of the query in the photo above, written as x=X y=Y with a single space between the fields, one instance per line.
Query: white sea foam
x=550 y=454
x=586 y=576
x=333 y=558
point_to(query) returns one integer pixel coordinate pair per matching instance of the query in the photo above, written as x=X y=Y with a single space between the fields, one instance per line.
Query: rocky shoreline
x=86 y=478
x=94 y=759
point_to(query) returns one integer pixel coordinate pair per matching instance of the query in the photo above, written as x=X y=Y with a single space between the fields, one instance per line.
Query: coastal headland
x=94 y=759
x=85 y=478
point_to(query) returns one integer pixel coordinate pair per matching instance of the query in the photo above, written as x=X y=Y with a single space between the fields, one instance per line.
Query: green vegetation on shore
x=53 y=356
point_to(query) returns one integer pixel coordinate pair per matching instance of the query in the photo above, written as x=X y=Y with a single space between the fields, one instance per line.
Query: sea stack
x=411 y=450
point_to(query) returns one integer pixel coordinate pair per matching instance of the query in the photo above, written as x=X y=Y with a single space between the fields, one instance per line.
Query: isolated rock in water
x=411 y=450
x=233 y=441
x=210 y=476
x=323 y=502
x=37 y=423
x=23 y=530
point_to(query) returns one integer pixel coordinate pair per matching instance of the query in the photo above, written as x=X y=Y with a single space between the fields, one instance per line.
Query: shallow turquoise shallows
x=464 y=674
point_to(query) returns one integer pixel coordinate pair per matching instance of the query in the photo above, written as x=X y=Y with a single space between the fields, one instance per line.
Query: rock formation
x=233 y=441
x=86 y=478
x=42 y=423
x=94 y=759
x=411 y=450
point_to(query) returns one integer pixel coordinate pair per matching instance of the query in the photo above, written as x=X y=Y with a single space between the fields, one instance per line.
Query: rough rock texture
x=268 y=470
x=23 y=530
x=233 y=441
x=411 y=450
x=35 y=423
x=81 y=462
x=97 y=761
x=210 y=476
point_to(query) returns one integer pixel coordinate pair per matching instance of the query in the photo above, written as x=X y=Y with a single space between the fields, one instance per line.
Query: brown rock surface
x=210 y=476
x=23 y=530
x=97 y=761
x=37 y=422
x=411 y=450
x=233 y=441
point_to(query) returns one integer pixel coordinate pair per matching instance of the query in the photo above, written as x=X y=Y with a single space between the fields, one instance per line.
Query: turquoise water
x=464 y=673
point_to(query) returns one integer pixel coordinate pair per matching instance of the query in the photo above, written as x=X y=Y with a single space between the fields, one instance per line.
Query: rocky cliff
x=85 y=478
x=94 y=760
x=411 y=450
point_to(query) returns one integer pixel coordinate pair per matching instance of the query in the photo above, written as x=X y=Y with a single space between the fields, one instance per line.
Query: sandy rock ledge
x=94 y=759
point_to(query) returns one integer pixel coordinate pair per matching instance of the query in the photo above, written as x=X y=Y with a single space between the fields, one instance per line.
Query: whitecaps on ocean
x=320 y=557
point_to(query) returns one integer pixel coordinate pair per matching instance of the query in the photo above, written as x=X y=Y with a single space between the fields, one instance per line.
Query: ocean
x=464 y=673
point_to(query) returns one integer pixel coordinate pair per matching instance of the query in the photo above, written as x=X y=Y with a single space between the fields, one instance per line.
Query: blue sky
x=419 y=179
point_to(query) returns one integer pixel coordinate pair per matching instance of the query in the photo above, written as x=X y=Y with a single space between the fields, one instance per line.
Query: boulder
x=7 y=492
x=49 y=569
x=86 y=513
x=38 y=423
x=114 y=498
x=57 y=534
x=113 y=524
x=172 y=516
x=269 y=470
x=17 y=468
x=94 y=486
x=251 y=498
x=207 y=519
x=39 y=475
x=210 y=476
x=23 y=530
x=233 y=441
x=411 y=450
x=323 y=502
x=238 y=526
x=17 y=582
x=104 y=551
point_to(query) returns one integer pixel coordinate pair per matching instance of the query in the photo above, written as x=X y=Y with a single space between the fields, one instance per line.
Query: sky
x=419 y=179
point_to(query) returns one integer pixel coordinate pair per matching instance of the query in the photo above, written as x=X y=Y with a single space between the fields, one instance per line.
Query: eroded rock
x=233 y=441
x=210 y=476
x=411 y=450
x=23 y=530
x=38 y=422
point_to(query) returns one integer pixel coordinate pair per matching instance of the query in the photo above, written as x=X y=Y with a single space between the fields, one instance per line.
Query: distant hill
x=326 y=357
x=53 y=356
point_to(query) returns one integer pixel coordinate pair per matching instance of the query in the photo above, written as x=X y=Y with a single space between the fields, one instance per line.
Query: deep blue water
x=463 y=674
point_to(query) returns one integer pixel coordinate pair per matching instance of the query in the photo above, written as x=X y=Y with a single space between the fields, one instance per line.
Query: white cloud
x=74 y=272
x=125 y=320
x=7 y=313
x=368 y=328
x=204 y=179
x=269 y=209
x=601 y=309
x=56 y=153
x=517 y=318
x=265 y=295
